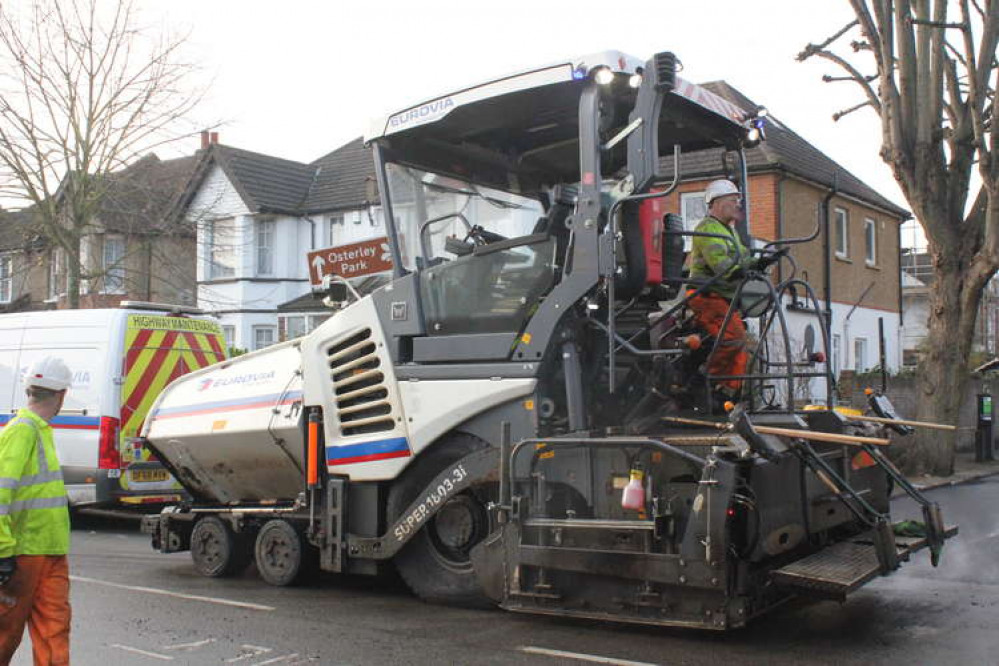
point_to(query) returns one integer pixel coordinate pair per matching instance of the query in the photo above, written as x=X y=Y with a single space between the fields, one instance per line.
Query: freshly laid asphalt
x=920 y=615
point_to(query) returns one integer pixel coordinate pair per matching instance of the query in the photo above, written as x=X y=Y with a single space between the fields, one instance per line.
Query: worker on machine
x=713 y=257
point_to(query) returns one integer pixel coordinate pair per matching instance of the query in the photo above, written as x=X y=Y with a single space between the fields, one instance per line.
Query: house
x=23 y=272
x=128 y=253
x=259 y=215
x=792 y=187
x=917 y=288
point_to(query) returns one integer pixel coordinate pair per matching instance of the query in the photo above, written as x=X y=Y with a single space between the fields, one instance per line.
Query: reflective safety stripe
x=37 y=503
x=43 y=462
x=30 y=480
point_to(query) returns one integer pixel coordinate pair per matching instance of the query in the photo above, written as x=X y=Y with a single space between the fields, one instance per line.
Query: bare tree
x=83 y=91
x=928 y=69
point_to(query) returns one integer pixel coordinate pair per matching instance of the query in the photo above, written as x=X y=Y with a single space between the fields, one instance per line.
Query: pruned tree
x=84 y=90
x=928 y=69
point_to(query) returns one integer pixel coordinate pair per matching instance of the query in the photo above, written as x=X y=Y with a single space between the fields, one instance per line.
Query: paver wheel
x=283 y=556
x=216 y=550
x=435 y=563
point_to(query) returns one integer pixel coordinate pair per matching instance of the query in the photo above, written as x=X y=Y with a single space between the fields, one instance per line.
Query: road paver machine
x=522 y=415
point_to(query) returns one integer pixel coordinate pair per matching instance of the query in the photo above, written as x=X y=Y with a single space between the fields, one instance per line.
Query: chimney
x=215 y=137
x=204 y=139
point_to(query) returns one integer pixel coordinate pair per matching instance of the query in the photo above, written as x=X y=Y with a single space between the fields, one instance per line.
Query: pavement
x=965 y=471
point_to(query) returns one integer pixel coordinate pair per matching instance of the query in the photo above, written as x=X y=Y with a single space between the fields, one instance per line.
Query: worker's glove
x=8 y=565
x=767 y=260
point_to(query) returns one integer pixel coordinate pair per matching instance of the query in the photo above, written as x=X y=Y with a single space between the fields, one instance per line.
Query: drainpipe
x=827 y=256
x=780 y=222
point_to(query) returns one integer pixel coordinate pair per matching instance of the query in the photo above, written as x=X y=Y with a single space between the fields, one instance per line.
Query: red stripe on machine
x=369 y=458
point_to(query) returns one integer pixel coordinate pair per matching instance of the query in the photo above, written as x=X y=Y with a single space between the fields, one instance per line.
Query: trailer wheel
x=282 y=555
x=435 y=563
x=216 y=550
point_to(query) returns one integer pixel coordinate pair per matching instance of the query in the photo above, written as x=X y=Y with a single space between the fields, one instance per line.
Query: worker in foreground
x=712 y=257
x=34 y=523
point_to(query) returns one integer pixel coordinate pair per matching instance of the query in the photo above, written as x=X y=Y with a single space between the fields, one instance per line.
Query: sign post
x=348 y=261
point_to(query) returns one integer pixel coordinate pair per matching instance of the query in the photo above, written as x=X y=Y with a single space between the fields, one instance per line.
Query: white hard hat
x=719 y=188
x=49 y=372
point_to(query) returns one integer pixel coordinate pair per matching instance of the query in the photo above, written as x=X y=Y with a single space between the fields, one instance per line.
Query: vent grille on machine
x=359 y=386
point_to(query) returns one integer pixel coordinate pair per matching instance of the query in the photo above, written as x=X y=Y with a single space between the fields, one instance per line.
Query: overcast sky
x=297 y=79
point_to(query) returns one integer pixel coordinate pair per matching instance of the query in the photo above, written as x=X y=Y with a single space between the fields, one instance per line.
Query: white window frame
x=229 y=335
x=57 y=274
x=6 y=278
x=310 y=321
x=334 y=221
x=113 y=268
x=860 y=354
x=841 y=225
x=691 y=219
x=220 y=258
x=264 y=328
x=870 y=241
x=265 y=233
x=287 y=329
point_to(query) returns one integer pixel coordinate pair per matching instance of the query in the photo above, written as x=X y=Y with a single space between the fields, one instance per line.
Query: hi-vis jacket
x=716 y=256
x=34 y=512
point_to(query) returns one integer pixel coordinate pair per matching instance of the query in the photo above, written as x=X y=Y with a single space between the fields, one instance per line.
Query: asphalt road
x=134 y=606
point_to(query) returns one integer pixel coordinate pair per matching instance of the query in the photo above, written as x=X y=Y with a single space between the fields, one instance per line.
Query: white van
x=121 y=359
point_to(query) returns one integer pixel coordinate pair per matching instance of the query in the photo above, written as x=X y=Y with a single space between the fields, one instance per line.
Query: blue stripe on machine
x=396 y=447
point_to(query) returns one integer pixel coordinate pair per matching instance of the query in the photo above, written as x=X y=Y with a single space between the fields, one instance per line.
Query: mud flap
x=936 y=532
x=884 y=546
x=489 y=563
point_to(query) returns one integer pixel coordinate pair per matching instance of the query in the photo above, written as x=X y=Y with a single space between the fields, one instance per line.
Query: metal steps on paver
x=834 y=572
x=838 y=570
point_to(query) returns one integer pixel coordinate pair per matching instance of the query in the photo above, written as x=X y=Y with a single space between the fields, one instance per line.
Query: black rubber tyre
x=435 y=563
x=216 y=550
x=282 y=554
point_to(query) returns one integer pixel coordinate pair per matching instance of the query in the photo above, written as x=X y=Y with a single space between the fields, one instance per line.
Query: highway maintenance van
x=121 y=358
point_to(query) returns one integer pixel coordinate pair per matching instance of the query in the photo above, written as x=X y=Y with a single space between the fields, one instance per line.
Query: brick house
x=22 y=263
x=792 y=187
x=130 y=253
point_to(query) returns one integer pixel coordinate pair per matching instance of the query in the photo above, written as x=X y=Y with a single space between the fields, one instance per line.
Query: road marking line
x=277 y=659
x=188 y=646
x=164 y=657
x=530 y=649
x=178 y=595
x=254 y=651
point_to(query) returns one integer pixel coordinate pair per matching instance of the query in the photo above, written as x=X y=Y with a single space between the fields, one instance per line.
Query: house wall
x=29 y=279
x=762 y=197
x=172 y=269
x=852 y=276
x=250 y=298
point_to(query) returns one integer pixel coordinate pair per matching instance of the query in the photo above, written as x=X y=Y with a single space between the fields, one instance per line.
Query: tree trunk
x=944 y=369
x=73 y=270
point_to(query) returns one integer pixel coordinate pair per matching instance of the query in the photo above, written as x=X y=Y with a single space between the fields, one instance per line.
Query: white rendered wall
x=862 y=323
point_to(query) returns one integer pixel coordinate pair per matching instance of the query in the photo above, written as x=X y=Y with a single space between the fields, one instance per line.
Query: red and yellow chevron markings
x=160 y=349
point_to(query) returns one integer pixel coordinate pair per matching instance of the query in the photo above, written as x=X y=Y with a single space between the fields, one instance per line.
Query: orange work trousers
x=730 y=358
x=38 y=595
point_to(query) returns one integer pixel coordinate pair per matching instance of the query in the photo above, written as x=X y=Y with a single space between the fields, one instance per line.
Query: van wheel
x=435 y=563
x=283 y=556
x=216 y=550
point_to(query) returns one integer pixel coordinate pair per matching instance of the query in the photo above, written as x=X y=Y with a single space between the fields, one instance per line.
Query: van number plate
x=149 y=475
